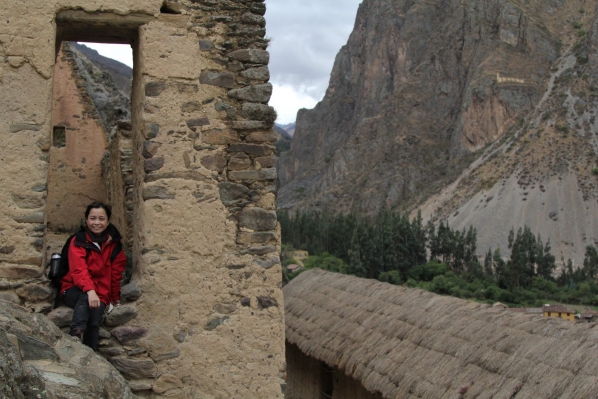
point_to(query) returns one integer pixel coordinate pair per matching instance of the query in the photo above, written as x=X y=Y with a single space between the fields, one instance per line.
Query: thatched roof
x=408 y=343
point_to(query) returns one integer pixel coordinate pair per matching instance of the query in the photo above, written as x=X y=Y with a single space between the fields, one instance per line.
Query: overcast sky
x=305 y=37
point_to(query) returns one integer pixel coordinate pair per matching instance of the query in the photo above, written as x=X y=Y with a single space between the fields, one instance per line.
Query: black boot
x=78 y=332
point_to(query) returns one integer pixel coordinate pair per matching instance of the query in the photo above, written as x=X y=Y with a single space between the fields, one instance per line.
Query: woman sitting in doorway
x=96 y=265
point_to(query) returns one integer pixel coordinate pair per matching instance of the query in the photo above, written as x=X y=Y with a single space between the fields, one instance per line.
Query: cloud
x=119 y=52
x=306 y=36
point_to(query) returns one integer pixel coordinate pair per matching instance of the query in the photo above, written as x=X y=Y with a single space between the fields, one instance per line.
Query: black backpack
x=58 y=274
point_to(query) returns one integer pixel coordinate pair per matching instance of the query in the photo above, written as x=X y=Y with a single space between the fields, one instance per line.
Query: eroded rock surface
x=39 y=361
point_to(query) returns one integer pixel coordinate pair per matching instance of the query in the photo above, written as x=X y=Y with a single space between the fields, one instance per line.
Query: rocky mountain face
x=412 y=94
x=424 y=89
x=121 y=74
x=543 y=171
x=106 y=81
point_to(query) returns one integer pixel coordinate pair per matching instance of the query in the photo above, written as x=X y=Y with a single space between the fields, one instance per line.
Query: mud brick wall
x=207 y=316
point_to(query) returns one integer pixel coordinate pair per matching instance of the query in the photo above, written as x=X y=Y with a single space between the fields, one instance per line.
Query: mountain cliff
x=543 y=172
x=424 y=91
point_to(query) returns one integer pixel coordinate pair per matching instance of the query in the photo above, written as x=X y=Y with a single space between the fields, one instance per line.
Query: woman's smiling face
x=97 y=220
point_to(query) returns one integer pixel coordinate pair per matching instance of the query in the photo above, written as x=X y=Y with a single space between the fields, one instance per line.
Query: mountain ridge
x=419 y=93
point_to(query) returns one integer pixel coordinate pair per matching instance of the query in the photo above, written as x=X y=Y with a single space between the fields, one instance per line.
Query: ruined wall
x=210 y=321
x=117 y=171
x=74 y=170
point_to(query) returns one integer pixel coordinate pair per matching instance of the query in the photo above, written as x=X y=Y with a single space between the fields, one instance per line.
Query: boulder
x=39 y=361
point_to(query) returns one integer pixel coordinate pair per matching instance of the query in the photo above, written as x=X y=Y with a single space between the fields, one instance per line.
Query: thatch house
x=350 y=338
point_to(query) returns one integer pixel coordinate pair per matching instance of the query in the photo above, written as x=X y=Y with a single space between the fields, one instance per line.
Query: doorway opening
x=91 y=156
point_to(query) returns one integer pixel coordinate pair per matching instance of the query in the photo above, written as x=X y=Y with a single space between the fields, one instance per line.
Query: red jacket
x=90 y=268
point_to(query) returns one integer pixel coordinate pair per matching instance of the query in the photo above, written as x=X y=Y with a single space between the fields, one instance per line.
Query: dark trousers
x=84 y=318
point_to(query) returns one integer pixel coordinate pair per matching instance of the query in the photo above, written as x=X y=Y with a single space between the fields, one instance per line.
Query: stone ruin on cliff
x=190 y=177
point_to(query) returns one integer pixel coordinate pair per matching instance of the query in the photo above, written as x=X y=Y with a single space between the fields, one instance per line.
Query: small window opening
x=170 y=8
x=59 y=136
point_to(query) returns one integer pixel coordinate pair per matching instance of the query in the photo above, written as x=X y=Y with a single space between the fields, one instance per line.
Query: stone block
x=266 y=302
x=61 y=316
x=261 y=137
x=120 y=315
x=248 y=125
x=231 y=112
x=244 y=237
x=192 y=106
x=258 y=8
x=205 y=45
x=35 y=218
x=19 y=272
x=140 y=385
x=156 y=192
x=193 y=124
x=150 y=148
x=267 y=263
x=252 y=56
x=212 y=324
x=253 y=149
x=220 y=137
x=232 y=193
x=7 y=249
x=260 y=73
x=10 y=297
x=253 y=175
x=257 y=93
x=130 y=292
x=135 y=369
x=128 y=334
x=245 y=302
x=154 y=89
x=153 y=164
x=152 y=130
x=266 y=162
x=253 y=19
x=257 y=219
x=215 y=162
x=259 y=250
x=35 y=292
x=240 y=161
x=28 y=201
x=218 y=78
x=259 y=112
x=111 y=351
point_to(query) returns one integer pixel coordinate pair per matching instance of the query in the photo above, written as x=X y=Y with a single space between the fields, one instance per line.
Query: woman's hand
x=116 y=303
x=94 y=300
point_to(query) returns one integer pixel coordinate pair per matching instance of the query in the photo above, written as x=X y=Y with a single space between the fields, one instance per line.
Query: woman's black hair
x=96 y=205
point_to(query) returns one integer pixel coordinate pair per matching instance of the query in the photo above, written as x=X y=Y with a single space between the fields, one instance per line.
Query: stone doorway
x=91 y=150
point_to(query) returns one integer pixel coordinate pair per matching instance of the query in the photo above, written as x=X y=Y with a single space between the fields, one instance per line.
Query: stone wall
x=74 y=169
x=117 y=170
x=204 y=233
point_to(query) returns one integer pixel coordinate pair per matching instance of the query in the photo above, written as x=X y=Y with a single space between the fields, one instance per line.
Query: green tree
x=590 y=263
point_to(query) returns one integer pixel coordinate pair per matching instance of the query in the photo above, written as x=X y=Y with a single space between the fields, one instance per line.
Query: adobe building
x=191 y=180
x=355 y=338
